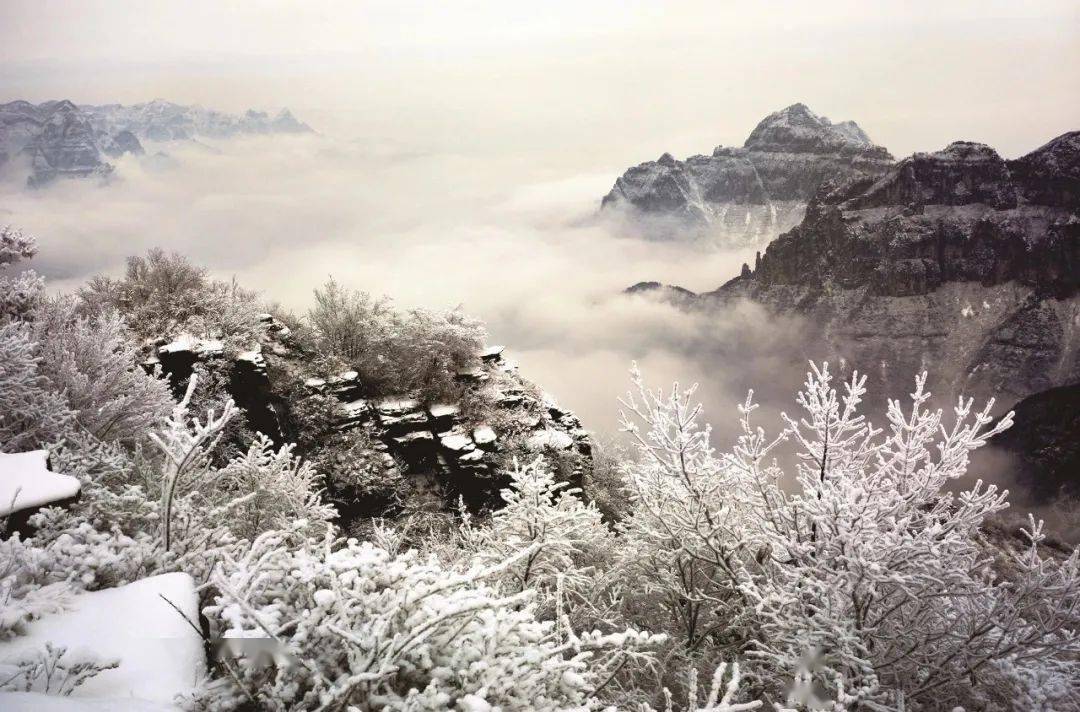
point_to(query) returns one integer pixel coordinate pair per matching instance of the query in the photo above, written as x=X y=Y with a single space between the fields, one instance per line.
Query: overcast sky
x=585 y=80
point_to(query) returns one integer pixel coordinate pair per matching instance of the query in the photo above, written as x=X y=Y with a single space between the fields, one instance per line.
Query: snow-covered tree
x=862 y=571
x=164 y=294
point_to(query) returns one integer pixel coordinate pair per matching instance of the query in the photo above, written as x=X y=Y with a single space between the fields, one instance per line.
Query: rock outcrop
x=57 y=139
x=739 y=197
x=455 y=449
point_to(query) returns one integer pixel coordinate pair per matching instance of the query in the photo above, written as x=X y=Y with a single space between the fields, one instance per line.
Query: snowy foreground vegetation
x=864 y=576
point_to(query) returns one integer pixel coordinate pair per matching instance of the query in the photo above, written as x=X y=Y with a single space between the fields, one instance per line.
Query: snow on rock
x=160 y=654
x=184 y=342
x=492 y=353
x=444 y=410
x=549 y=438
x=27 y=483
x=484 y=435
x=457 y=442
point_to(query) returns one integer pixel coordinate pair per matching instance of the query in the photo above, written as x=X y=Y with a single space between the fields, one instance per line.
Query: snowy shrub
x=31 y=414
x=93 y=362
x=357 y=628
x=15 y=246
x=862 y=572
x=19 y=294
x=25 y=592
x=274 y=489
x=213 y=394
x=164 y=294
x=417 y=351
x=50 y=673
x=719 y=698
x=565 y=536
x=204 y=508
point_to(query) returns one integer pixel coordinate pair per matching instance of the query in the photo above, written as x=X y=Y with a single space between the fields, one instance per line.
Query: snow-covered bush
x=19 y=293
x=200 y=504
x=417 y=351
x=565 y=536
x=861 y=572
x=274 y=489
x=48 y=671
x=163 y=294
x=92 y=360
x=720 y=696
x=31 y=414
x=354 y=627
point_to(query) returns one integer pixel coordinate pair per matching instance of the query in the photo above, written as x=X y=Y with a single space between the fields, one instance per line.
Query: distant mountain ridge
x=740 y=197
x=161 y=120
x=60 y=139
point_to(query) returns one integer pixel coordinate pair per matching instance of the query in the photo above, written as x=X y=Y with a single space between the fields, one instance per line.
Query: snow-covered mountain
x=161 y=120
x=957 y=262
x=740 y=197
x=57 y=139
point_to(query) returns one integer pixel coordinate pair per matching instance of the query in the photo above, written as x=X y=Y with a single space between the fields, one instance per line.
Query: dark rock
x=122 y=143
x=1043 y=445
x=950 y=216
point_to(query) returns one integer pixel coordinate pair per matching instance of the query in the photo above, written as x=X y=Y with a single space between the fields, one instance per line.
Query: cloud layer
x=507 y=241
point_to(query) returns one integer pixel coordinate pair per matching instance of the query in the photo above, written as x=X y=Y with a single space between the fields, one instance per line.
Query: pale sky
x=593 y=82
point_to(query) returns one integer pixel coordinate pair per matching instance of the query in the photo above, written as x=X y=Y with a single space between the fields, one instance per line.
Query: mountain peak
x=797 y=129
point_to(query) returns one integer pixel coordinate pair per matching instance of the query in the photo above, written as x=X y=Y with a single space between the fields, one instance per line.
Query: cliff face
x=55 y=138
x=440 y=451
x=740 y=197
x=957 y=262
x=1044 y=444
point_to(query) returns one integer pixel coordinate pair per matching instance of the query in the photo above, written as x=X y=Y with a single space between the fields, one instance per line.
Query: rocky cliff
x=58 y=139
x=438 y=452
x=956 y=261
x=55 y=139
x=740 y=197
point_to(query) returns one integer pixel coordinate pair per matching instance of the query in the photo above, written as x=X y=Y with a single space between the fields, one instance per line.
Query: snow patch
x=160 y=654
x=548 y=438
x=26 y=482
